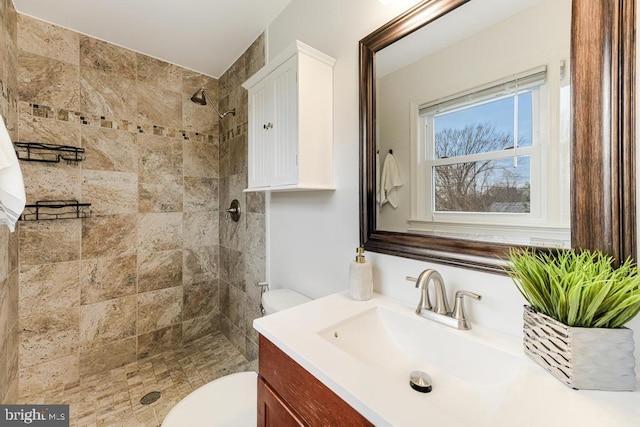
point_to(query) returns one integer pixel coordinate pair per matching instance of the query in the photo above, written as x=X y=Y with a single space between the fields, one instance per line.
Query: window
x=480 y=160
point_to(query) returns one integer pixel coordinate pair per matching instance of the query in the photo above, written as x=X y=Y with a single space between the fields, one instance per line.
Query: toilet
x=229 y=401
x=281 y=299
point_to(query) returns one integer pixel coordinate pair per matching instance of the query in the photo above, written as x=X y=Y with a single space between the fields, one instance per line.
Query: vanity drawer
x=304 y=398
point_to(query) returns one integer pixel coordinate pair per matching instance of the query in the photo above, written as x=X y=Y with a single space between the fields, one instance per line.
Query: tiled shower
x=157 y=265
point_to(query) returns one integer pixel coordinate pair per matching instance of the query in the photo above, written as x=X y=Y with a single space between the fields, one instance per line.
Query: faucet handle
x=460 y=294
x=411 y=279
x=458 y=308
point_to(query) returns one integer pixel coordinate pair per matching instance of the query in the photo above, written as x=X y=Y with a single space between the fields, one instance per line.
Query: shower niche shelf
x=56 y=209
x=48 y=153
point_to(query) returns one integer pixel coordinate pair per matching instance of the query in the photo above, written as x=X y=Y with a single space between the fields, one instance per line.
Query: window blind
x=509 y=85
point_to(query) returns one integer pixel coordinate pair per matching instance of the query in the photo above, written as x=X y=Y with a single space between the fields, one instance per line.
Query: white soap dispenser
x=360 y=277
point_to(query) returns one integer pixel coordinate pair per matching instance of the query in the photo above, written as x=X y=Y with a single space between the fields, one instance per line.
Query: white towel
x=12 y=197
x=390 y=180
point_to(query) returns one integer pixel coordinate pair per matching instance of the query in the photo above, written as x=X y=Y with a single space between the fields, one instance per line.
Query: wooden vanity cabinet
x=288 y=395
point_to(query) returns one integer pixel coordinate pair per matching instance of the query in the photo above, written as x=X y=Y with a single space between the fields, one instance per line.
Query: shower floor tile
x=112 y=398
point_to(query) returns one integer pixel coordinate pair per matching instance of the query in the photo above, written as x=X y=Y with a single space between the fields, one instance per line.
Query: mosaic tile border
x=9 y=101
x=47 y=112
x=234 y=132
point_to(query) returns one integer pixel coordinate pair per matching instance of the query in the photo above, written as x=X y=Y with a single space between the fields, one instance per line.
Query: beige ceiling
x=202 y=35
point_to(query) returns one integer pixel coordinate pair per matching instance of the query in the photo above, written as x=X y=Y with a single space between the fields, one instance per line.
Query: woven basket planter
x=582 y=358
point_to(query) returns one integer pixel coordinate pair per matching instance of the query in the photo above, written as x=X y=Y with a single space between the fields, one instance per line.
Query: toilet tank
x=281 y=299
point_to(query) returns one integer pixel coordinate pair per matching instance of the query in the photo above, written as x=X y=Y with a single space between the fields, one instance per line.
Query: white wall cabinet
x=291 y=122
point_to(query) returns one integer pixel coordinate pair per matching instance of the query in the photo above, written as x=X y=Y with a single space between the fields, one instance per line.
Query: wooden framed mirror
x=602 y=138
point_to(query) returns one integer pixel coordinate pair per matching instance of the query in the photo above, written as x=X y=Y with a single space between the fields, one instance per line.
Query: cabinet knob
x=268 y=126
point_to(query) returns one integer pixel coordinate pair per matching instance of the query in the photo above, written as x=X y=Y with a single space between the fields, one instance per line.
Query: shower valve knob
x=268 y=126
x=233 y=212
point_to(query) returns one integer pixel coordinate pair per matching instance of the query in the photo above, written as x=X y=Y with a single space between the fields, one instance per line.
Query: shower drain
x=149 y=398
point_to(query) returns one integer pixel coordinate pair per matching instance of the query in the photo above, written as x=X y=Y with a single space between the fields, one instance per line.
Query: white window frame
x=546 y=224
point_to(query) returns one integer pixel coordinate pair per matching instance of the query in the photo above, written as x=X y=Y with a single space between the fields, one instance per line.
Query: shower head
x=202 y=98
x=199 y=97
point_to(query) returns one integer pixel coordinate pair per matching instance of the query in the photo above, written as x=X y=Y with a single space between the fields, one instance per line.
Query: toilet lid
x=229 y=401
x=281 y=299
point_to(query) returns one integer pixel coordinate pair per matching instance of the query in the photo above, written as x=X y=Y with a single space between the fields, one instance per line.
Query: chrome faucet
x=422 y=282
x=440 y=312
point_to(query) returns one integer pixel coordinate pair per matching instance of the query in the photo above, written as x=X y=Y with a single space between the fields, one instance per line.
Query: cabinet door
x=284 y=135
x=259 y=151
x=313 y=402
x=272 y=411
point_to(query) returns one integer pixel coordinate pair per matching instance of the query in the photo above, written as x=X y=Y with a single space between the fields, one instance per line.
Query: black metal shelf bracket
x=56 y=209
x=48 y=153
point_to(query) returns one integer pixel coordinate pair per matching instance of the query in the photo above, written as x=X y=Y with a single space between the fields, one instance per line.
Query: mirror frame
x=603 y=125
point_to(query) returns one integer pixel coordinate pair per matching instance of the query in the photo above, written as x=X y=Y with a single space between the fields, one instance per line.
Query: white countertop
x=530 y=396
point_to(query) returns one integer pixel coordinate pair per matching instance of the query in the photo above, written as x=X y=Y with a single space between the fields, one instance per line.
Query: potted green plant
x=573 y=325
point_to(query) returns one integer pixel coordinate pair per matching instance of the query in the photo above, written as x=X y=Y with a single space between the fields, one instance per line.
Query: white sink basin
x=364 y=351
x=395 y=343
x=385 y=339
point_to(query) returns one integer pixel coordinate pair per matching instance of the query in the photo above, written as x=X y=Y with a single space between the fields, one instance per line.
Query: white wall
x=313 y=235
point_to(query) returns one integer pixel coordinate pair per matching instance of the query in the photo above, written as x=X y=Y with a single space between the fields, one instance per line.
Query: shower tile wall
x=242 y=244
x=8 y=241
x=141 y=275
